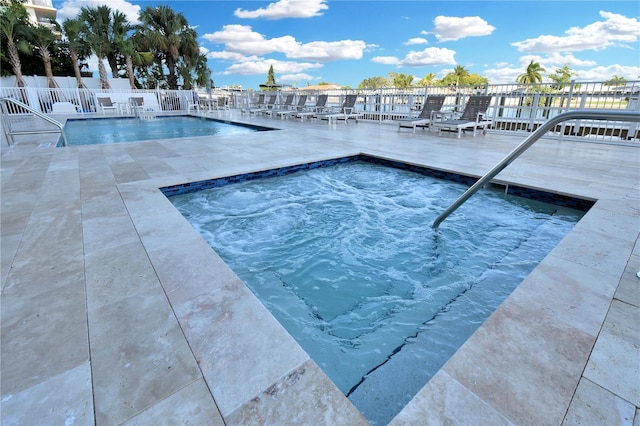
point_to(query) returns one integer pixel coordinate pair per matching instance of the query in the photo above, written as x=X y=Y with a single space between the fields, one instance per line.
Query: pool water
x=115 y=130
x=346 y=259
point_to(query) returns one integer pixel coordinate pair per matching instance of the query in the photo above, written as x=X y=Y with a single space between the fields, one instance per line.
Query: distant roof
x=321 y=87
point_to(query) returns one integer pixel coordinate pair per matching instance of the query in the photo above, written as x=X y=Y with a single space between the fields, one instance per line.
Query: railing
x=515 y=108
x=633 y=116
x=20 y=107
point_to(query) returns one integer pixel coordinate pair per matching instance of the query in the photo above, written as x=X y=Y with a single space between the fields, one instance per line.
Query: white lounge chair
x=321 y=102
x=347 y=111
x=190 y=102
x=285 y=106
x=107 y=105
x=300 y=106
x=139 y=109
x=63 y=108
x=432 y=105
x=473 y=117
x=267 y=106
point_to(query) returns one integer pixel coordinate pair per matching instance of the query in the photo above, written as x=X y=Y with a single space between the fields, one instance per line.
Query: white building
x=40 y=11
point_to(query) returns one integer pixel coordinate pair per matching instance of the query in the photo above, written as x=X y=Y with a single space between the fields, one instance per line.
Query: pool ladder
x=10 y=133
x=530 y=140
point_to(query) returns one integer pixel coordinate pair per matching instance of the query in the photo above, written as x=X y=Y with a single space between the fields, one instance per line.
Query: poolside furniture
x=107 y=104
x=267 y=106
x=285 y=106
x=320 y=106
x=137 y=106
x=259 y=104
x=347 y=111
x=223 y=103
x=432 y=106
x=191 y=102
x=63 y=108
x=473 y=117
x=300 y=107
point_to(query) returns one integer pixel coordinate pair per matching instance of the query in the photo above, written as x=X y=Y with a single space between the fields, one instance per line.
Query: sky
x=346 y=41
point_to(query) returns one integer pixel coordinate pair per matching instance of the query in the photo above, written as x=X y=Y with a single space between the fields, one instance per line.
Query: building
x=40 y=11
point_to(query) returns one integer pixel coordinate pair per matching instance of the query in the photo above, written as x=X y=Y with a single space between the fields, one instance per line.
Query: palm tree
x=72 y=28
x=43 y=38
x=134 y=58
x=96 y=33
x=616 y=81
x=197 y=72
x=400 y=80
x=167 y=34
x=119 y=27
x=427 y=80
x=14 y=21
x=460 y=73
x=532 y=75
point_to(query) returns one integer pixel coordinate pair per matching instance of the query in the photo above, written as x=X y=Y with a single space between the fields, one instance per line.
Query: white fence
x=514 y=108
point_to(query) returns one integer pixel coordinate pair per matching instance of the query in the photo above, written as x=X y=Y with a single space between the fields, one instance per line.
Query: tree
x=427 y=80
x=562 y=77
x=271 y=78
x=170 y=38
x=43 y=39
x=373 y=83
x=118 y=29
x=616 y=81
x=95 y=31
x=14 y=22
x=72 y=29
x=460 y=73
x=400 y=81
x=532 y=75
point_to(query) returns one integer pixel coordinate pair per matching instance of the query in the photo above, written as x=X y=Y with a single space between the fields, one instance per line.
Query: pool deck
x=115 y=311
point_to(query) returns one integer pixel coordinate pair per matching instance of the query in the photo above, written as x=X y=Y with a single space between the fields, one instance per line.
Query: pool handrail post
x=35 y=112
x=530 y=140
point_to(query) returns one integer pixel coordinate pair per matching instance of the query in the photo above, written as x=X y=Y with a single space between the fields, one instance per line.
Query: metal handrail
x=37 y=114
x=530 y=140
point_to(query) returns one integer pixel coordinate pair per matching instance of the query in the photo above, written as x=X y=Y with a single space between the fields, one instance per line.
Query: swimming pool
x=345 y=258
x=115 y=130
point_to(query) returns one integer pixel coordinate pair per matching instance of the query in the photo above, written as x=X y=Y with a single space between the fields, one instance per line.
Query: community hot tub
x=342 y=253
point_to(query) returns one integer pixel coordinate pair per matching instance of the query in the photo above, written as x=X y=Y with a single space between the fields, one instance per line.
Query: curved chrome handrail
x=530 y=140
x=37 y=114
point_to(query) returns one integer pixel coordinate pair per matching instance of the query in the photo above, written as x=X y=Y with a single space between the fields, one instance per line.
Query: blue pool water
x=115 y=130
x=346 y=259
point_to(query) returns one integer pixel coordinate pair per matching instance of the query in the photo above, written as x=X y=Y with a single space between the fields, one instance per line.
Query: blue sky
x=344 y=41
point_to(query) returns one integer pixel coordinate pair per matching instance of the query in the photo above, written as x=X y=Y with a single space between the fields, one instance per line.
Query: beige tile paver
x=107 y=292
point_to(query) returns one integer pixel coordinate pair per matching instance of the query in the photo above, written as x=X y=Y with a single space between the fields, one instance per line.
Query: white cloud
x=296 y=78
x=605 y=73
x=386 y=60
x=71 y=8
x=416 y=40
x=449 y=28
x=502 y=74
x=427 y=57
x=286 y=9
x=329 y=50
x=242 y=39
x=555 y=59
x=255 y=66
x=599 y=35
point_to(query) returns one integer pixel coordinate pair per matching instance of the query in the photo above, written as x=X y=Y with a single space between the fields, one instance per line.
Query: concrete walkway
x=115 y=311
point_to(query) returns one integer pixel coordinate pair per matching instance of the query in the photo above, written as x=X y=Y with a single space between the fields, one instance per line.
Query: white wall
x=65 y=82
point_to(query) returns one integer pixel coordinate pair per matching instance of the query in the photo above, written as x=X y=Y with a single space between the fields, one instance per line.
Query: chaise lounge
x=321 y=102
x=347 y=111
x=432 y=105
x=473 y=117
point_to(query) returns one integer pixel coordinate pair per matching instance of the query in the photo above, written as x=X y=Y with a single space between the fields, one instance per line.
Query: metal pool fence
x=514 y=107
